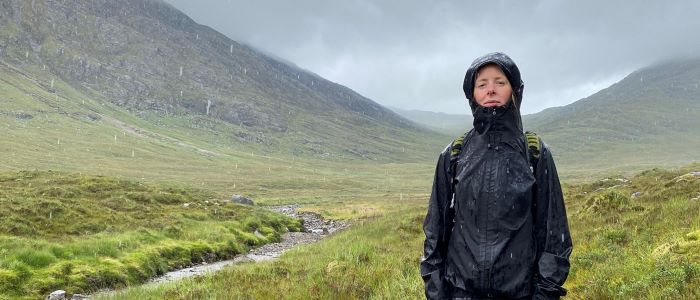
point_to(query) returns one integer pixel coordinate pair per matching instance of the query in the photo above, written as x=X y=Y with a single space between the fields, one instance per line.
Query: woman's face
x=491 y=87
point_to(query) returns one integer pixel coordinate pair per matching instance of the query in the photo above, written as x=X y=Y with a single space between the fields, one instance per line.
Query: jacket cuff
x=553 y=270
x=434 y=288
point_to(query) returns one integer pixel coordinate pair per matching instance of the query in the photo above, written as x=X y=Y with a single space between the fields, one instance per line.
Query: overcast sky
x=413 y=54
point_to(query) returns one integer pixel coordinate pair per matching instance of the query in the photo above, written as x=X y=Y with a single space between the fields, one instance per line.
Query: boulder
x=242 y=200
x=57 y=295
x=79 y=297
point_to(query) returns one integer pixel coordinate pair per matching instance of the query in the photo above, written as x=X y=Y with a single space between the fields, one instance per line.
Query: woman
x=496 y=225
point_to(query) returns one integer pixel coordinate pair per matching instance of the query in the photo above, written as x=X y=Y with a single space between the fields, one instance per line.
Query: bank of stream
x=315 y=228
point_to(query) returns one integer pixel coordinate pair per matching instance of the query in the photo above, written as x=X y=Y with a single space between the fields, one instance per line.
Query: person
x=496 y=225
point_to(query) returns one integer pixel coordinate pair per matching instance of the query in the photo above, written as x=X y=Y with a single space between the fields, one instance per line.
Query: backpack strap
x=456 y=147
x=455 y=151
x=534 y=148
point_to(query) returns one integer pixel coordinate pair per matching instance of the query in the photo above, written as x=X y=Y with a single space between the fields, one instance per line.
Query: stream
x=315 y=229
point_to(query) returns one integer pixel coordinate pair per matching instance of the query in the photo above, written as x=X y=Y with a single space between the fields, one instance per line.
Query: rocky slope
x=148 y=57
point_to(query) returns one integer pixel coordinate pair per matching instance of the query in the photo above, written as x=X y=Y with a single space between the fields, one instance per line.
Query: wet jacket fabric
x=504 y=235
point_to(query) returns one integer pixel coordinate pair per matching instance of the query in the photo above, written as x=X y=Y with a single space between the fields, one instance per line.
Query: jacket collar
x=498 y=118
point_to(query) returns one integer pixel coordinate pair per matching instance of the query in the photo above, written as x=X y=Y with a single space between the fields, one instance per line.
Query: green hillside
x=650 y=118
x=149 y=59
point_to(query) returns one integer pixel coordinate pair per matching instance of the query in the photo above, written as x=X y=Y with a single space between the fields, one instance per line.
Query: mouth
x=491 y=103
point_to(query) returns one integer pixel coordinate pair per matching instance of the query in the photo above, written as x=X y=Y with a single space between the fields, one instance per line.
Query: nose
x=491 y=89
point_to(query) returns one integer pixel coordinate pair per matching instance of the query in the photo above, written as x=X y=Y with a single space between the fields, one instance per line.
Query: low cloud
x=413 y=54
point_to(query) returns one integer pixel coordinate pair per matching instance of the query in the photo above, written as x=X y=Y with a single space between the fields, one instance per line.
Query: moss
x=10 y=282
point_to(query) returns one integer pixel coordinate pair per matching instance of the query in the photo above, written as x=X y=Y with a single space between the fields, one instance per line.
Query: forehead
x=491 y=70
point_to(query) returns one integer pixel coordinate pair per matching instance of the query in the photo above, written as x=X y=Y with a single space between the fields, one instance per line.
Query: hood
x=506 y=117
x=508 y=67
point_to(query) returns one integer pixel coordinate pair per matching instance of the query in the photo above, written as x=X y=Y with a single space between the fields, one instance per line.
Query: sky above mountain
x=413 y=54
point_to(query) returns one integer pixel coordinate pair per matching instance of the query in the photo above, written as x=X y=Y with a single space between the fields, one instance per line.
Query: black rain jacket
x=499 y=231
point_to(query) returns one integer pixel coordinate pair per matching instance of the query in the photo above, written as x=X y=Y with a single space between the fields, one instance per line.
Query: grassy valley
x=634 y=237
x=95 y=197
x=453 y=125
x=127 y=128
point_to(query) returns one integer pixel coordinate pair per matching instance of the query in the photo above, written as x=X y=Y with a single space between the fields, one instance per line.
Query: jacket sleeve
x=432 y=265
x=552 y=235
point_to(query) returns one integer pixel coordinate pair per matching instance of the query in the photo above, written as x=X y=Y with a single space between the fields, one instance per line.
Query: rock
x=696 y=198
x=317 y=231
x=695 y=173
x=636 y=194
x=24 y=116
x=242 y=200
x=57 y=295
x=185 y=205
x=616 y=186
x=258 y=234
x=79 y=297
x=685 y=177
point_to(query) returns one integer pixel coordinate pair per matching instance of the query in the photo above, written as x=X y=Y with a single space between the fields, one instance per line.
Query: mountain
x=151 y=60
x=450 y=124
x=649 y=118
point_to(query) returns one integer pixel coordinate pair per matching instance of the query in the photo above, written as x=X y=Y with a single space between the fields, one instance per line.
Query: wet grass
x=641 y=247
x=376 y=259
x=82 y=233
x=634 y=236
